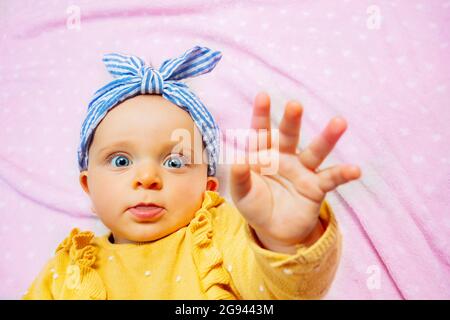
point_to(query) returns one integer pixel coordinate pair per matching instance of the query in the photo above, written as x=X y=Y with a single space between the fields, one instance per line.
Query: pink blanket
x=384 y=67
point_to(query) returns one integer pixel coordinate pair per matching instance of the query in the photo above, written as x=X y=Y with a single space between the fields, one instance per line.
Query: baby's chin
x=146 y=232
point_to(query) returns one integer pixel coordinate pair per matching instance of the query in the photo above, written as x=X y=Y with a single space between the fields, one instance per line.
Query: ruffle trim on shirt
x=214 y=278
x=80 y=280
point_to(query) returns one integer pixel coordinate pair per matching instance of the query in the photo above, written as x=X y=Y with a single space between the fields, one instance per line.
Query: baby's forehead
x=157 y=138
x=146 y=120
x=148 y=123
x=160 y=144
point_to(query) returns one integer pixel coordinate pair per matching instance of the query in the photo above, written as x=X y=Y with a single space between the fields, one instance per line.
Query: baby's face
x=132 y=160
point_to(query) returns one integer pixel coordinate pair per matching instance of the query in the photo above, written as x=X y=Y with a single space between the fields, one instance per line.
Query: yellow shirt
x=216 y=256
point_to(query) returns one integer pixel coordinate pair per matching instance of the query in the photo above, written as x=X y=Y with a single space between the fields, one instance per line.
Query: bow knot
x=152 y=81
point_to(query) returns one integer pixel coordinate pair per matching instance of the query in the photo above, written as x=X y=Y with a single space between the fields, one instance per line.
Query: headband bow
x=134 y=77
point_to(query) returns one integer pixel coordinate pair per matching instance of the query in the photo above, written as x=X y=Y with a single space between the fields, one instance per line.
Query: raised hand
x=283 y=208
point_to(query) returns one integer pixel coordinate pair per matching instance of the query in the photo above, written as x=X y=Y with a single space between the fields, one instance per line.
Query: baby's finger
x=321 y=146
x=331 y=178
x=290 y=127
x=261 y=122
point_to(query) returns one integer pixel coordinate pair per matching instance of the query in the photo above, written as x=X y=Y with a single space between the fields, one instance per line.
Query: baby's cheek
x=191 y=198
x=106 y=195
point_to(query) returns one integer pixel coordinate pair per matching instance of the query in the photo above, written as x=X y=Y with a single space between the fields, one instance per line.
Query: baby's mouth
x=147 y=212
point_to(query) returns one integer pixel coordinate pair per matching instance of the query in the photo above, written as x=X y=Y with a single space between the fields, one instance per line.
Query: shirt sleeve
x=41 y=288
x=258 y=273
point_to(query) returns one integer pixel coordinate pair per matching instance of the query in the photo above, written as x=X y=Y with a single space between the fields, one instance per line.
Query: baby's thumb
x=240 y=181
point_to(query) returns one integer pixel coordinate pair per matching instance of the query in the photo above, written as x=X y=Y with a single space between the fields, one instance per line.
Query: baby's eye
x=176 y=161
x=119 y=161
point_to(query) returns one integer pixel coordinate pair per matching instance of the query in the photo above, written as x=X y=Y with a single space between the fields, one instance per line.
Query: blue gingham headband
x=134 y=77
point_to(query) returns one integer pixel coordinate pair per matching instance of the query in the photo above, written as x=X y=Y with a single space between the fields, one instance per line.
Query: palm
x=285 y=203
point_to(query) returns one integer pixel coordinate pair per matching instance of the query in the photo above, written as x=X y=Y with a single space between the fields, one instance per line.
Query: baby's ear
x=84 y=181
x=212 y=184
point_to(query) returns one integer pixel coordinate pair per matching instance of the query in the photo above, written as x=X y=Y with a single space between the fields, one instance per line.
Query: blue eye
x=176 y=162
x=120 y=161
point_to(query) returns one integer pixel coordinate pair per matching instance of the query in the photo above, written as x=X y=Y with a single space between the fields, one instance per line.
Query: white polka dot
x=432 y=25
x=55 y=276
x=404 y=131
x=147 y=273
x=441 y=88
x=327 y=72
x=428 y=189
x=230 y=268
x=346 y=53
x=261 y=288
x=287 y=271
x=48 y=149
x=365 y=99
x=355 y=75
x=382 y=80
x=393 y=104
x=417 y=159
x=411 y=84
x=237 y=38
x=110 y=258
x=178 y=279
x=401 y=60
x=320 y=51
x=436 y=137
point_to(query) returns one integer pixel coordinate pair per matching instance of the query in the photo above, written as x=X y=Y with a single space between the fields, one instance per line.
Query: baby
x=172 y=235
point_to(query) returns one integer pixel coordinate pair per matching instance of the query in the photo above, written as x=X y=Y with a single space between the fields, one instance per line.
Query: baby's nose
x=148 y=177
